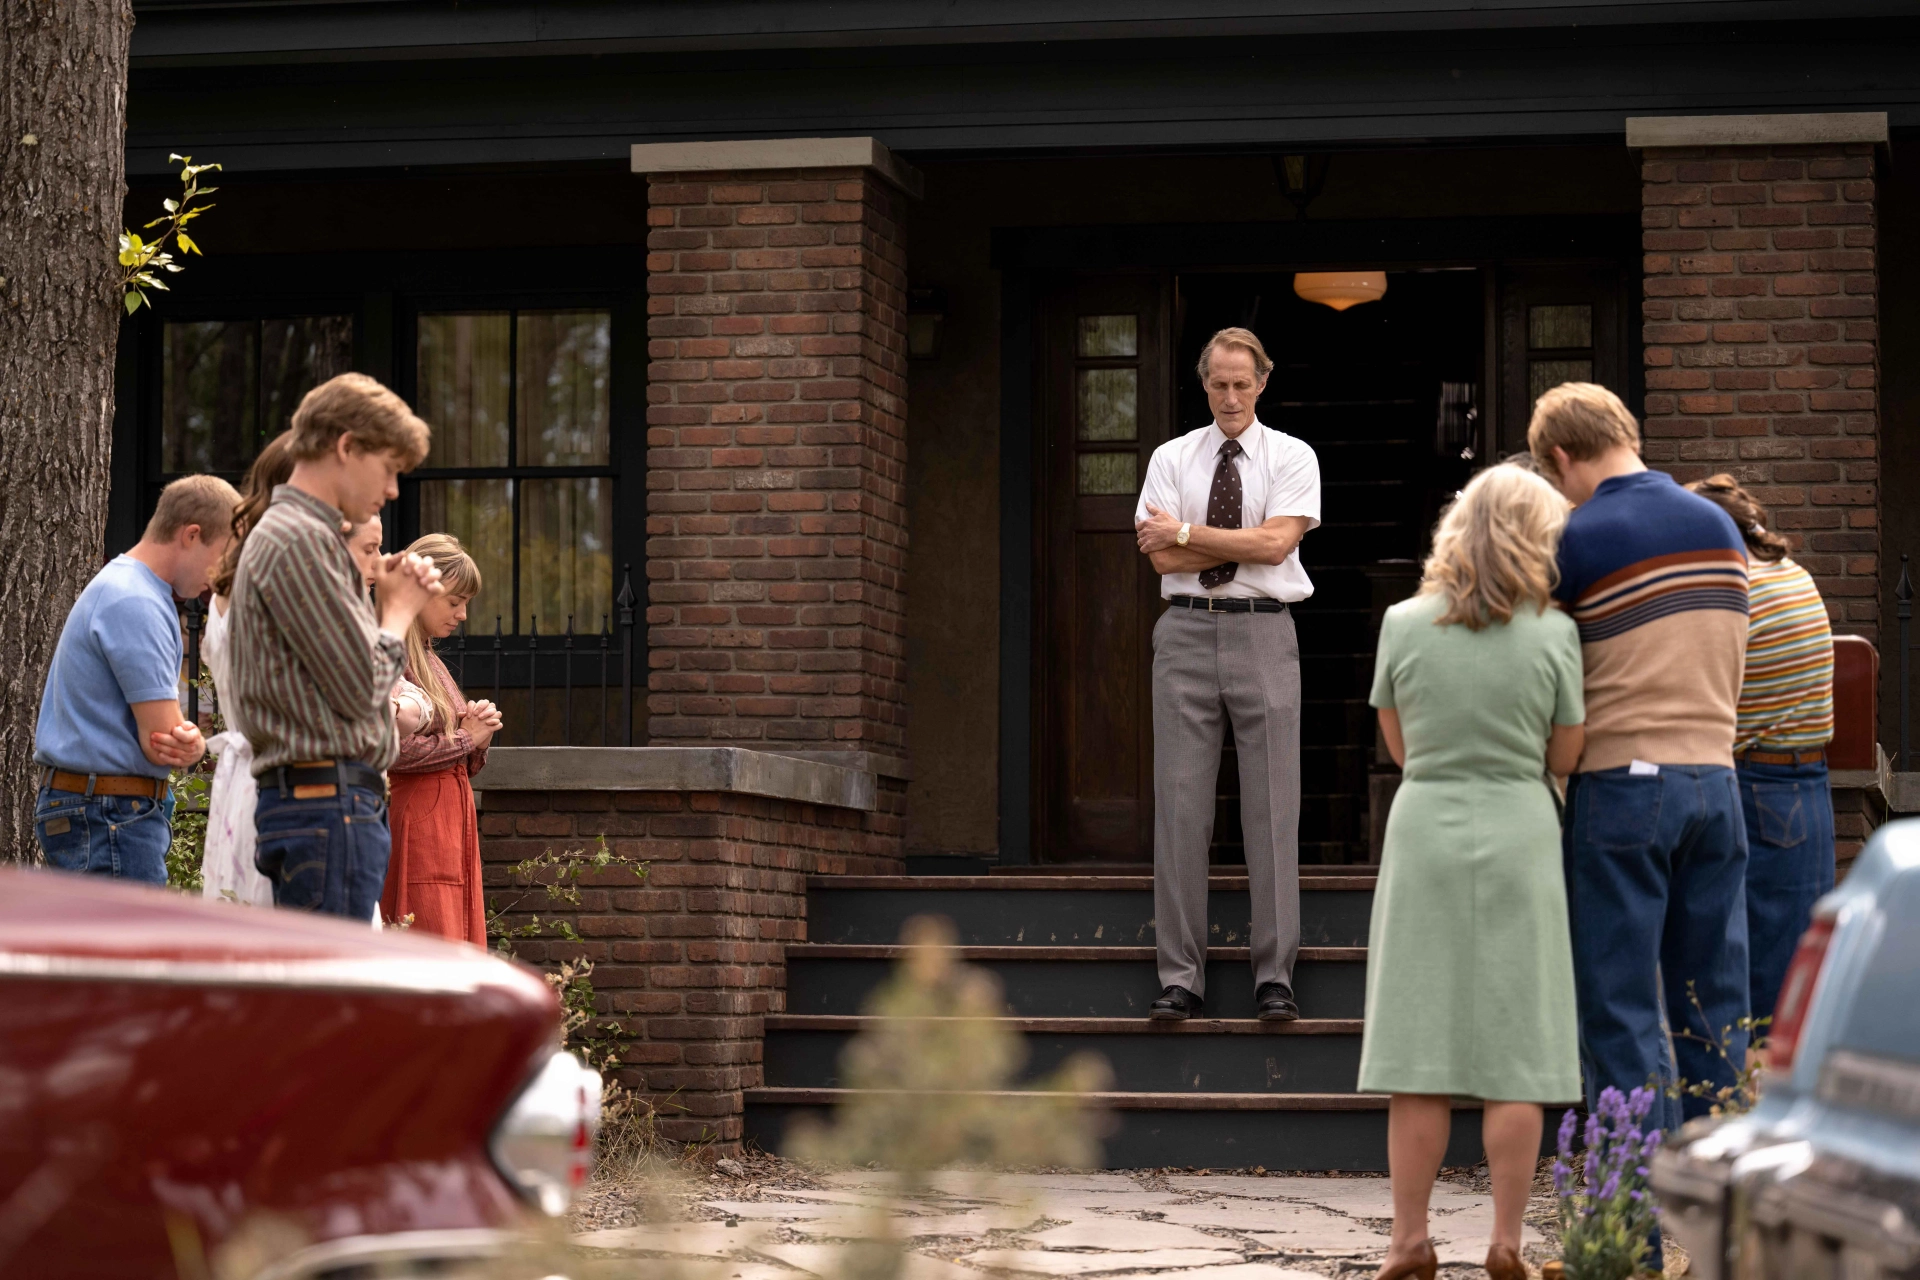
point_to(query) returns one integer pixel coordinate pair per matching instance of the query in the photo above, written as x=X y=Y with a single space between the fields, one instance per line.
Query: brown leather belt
x=1817 y=756
x=104 y=784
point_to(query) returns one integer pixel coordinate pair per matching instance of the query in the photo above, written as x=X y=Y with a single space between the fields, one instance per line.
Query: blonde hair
x=1583 y=418
x=207 y=501
x=358 y=407
x=1494 y=548
x=1236 y=337
x=461 y=577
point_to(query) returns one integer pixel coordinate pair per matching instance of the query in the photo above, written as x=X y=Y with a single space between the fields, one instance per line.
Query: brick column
x=1762 y=341
x=776 y=445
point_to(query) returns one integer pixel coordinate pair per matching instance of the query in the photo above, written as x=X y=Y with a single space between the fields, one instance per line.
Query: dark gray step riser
x=1348 y=1141
x=1080 y=917
x=1146 y=1061
x=1086 y=988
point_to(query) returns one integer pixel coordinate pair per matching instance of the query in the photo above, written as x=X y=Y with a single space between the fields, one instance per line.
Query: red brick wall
x=692 y=959
x=1762 y=344
x=776 y=459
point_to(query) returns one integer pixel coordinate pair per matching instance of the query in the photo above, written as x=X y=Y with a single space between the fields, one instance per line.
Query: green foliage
x=141 y=258
x=936 y=1075
x=192 y=789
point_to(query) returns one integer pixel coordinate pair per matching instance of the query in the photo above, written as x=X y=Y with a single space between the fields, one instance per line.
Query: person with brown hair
x=227 y=873
x=1654 y=845
x=313 y=668
x=1477 y=683
x=434 y=873
x=110 y=729
x=1780 y=744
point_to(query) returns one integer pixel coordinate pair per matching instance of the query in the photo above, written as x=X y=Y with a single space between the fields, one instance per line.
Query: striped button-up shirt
x=312 y=670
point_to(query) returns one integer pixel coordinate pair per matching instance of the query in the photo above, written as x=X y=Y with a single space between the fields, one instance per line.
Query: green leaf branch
x=141 y=260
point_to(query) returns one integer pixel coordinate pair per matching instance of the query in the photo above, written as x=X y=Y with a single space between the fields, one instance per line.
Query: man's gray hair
x=1237 y=337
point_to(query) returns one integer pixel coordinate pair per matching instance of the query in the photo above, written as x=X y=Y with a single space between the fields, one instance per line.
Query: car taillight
x=544 y=1143
x=1796 y=994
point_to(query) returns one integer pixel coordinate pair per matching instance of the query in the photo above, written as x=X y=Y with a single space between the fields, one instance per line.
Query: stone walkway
x=1106 y=1225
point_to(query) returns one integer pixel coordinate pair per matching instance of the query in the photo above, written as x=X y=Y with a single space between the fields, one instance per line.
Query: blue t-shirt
x=121 y=645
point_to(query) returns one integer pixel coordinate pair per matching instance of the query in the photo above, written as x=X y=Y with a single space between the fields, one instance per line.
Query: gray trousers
x=1209 y=670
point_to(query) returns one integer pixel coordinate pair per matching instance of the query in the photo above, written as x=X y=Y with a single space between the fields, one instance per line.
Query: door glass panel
x=1109 y=407
x=1544 y=375
x=209 y=418
x=480 y=514
x=1106 y=473
x=1109 y=336
x=297 y=355
x=1559 y=326
x=566 y=553
x=465 y=377
x=562 y=386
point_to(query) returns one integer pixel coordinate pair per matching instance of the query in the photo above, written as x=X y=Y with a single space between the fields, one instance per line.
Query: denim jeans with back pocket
x=1789 y=814
x=327 y=854
x=1656 y=868
x=122 y=836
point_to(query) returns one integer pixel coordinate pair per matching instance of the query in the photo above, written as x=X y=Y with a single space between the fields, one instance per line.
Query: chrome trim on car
x=472 y=1245
x=463 y=975
x=1864 y=1082
x=1874 y=1226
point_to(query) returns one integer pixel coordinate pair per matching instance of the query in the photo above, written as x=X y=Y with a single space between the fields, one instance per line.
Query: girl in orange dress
x=434 y=872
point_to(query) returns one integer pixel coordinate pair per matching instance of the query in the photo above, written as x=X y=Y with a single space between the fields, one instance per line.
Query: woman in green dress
x=1469 y=966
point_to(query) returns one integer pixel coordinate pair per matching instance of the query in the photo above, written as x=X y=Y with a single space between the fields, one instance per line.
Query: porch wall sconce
x=1340 y=289
x=926 y=317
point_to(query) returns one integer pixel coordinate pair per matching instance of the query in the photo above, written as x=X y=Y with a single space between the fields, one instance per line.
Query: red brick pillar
x=776 y=444
x=1762 y=340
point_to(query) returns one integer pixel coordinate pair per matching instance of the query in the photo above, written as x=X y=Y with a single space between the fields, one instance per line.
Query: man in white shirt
x=1221 y=516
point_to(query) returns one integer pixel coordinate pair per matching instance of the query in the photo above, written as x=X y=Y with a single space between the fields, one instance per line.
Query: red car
x=179 y=1076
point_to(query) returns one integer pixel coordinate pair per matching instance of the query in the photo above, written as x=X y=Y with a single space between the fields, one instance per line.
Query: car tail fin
x=1796 y=994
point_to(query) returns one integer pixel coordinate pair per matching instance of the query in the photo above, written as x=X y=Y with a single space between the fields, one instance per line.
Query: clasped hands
x=481 y=721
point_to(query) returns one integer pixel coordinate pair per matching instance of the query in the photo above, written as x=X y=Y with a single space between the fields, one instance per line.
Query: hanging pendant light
x=1340 y=289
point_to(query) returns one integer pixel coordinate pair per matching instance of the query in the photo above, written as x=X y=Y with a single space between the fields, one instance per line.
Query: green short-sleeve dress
x=1469 y=966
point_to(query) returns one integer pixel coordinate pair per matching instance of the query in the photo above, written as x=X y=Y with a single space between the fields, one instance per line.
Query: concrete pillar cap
x=736 y=155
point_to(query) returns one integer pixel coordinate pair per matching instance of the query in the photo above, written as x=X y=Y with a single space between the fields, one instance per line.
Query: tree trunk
x=63 y=109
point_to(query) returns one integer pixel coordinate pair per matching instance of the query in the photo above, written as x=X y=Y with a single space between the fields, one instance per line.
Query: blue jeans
x=1789 y=813
x=123 y=836
x=1656 y=886
x=327 y=854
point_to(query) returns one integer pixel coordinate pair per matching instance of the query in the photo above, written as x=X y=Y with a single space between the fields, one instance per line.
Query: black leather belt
x=320 y=779
x=1229 y=604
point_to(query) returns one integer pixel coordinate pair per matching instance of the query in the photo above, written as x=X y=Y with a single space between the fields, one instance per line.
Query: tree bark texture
x=63 y=109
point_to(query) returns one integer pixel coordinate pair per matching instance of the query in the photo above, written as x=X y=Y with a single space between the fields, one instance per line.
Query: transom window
x=521 y=465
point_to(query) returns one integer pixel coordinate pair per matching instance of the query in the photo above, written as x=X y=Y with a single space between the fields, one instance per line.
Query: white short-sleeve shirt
x=1279 y=476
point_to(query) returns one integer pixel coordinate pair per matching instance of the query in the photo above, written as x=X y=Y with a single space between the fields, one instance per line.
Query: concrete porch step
x=1060 y=910
x=1282 y=1131
x=1076 y=981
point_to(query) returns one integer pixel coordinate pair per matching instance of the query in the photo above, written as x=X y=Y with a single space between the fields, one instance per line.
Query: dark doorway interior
x=1388 y=395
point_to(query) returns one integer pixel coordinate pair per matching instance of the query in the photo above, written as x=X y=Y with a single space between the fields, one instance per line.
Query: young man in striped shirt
x=1654 y=843
x=1780 y=744
x=313 y=669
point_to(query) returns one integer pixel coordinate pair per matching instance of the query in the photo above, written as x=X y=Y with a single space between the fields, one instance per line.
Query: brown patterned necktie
x=1223 y=511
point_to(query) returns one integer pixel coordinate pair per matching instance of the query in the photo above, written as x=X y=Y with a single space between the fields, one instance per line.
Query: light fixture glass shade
x=1341 y=289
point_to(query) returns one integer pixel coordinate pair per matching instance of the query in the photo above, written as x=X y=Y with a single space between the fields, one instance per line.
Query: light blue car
x=1821 y=1180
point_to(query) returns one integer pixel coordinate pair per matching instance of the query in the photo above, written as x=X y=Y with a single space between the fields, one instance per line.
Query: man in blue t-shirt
x=110 y=729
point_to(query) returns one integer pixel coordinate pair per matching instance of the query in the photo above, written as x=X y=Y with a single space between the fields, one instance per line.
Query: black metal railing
x=556 y=689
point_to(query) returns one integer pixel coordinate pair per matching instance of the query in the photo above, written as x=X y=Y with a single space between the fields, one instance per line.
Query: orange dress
x=433 y=874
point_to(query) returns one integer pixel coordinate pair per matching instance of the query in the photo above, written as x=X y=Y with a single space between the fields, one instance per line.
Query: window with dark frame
x=521 y=466
x=227 y=386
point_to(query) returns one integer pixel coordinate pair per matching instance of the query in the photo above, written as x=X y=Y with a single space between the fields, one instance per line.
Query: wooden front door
x=1105 y=408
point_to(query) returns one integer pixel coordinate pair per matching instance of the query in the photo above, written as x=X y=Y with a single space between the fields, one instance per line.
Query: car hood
x=57 y=925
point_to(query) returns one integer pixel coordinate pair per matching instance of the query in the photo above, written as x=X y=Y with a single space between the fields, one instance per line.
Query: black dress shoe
x=1276 y=1002
x=1176 y=1004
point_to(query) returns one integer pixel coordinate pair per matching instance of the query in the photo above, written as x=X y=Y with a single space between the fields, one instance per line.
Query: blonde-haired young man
x=1654 y=842
x=313 y=668
x=110 y=729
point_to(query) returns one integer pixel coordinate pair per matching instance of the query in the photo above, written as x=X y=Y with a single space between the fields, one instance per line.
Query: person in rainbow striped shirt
x=1780 y=743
